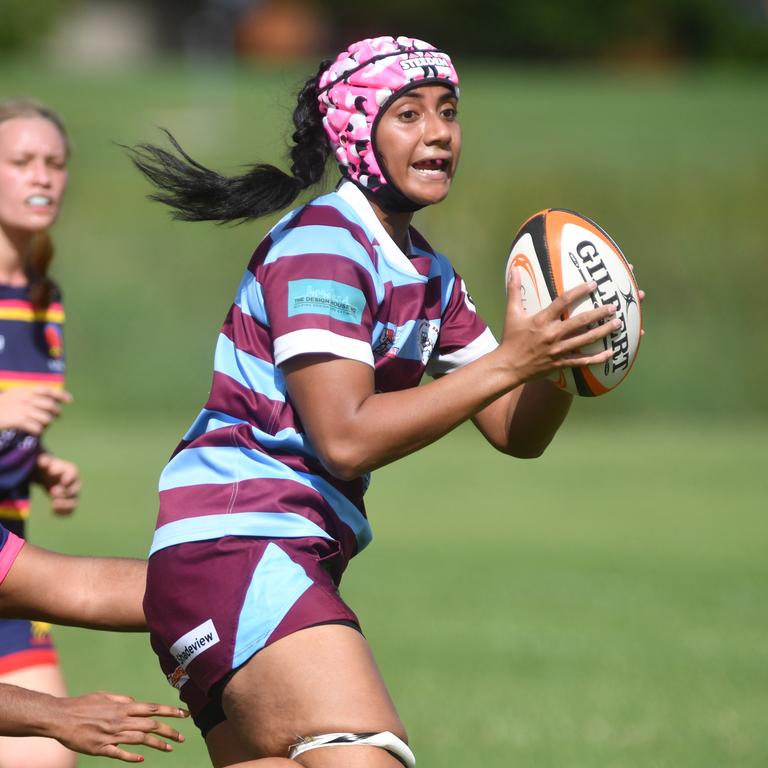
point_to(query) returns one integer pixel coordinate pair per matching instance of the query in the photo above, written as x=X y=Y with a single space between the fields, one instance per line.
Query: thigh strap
x=384 y=740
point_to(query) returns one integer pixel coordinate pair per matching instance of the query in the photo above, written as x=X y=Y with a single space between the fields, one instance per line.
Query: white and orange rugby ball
x=556 y=250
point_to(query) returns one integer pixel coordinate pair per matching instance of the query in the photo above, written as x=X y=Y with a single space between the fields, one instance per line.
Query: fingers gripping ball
x=556 y=250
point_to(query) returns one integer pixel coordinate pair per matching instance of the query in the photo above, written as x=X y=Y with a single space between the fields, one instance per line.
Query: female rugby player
x=342 y=309
x=34 y=151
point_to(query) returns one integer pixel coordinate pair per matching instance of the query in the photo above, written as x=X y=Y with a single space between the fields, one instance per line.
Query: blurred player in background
x=96 y=592
x=342 y=309
x=34 y=151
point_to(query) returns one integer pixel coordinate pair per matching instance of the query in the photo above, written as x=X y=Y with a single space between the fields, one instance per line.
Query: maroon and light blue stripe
x=327 y=279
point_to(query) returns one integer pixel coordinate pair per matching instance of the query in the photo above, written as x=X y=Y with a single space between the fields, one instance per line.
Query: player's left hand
x=95 y=724
x=61 y=480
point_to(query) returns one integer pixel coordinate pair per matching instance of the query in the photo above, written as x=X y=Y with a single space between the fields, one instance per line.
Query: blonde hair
x=39 y=253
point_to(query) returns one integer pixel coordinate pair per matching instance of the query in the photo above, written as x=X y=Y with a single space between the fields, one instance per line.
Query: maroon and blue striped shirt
x=327 y=279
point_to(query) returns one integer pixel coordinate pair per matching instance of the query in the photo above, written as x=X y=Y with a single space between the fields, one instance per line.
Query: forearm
x=109 y=593
x=520 y=421
x=524 y=422
x=26 y=713
x=384 y=427
x=355 y=429
x=94 y=592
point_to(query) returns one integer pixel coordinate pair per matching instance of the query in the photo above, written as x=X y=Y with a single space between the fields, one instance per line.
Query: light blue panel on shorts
x=277 y=583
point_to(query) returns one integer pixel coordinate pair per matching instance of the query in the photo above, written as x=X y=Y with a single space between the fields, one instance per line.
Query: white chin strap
x=384 y=740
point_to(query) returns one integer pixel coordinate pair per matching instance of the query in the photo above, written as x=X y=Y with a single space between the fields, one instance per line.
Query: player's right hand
x=95 y=724
x=544 y=342
x=31 y=409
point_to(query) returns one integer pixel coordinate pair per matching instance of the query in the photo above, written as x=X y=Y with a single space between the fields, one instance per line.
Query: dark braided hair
x=197 y=193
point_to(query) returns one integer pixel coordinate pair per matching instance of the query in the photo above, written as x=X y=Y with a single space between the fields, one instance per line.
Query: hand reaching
x=31 y=409
x=61 y=480
x=95 y=724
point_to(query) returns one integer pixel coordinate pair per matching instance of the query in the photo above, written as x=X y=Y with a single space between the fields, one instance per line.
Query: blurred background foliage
x=541 y=30
x=648 y=117
x=673 y=165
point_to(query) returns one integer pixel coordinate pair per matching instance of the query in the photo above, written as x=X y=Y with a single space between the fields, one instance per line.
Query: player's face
x=33 y=173
x=418 y=139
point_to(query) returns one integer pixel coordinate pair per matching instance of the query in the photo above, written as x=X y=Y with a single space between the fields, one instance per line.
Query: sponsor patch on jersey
x=194 y=642
x=326 y=297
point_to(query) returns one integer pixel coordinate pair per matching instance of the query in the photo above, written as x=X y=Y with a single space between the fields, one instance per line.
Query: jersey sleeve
x=10 y=546
x=464 y=337
x=320 y=294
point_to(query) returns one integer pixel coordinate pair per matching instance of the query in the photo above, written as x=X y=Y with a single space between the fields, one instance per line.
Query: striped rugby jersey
x=31 y=353
x=326 y=279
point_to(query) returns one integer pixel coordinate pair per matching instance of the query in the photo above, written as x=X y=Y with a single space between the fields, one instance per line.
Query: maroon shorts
x=211 y=605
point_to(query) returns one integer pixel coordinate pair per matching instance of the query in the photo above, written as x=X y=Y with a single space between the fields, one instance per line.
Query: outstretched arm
x=94 y=592
x=94 y=724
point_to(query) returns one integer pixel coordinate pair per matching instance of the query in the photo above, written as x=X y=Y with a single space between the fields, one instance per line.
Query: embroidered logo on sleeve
x=326 y=297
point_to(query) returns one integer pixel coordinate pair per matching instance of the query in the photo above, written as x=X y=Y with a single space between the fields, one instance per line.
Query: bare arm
x=94 y=592
x=355 y=430
x=523 y=422
x=93 y=724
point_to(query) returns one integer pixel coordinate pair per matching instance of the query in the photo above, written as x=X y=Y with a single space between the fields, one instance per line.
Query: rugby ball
x=557 y=249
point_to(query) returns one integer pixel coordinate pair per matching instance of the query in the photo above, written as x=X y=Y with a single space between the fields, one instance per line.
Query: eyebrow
x=34 y=153
x=447 y=94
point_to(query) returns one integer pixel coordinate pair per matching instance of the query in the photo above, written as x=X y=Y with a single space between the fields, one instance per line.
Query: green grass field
x=601 y=607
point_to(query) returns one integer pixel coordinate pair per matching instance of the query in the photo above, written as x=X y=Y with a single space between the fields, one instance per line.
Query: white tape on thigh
x=384 y=740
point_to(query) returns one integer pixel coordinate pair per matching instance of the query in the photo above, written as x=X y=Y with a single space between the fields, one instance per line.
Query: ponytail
x=197 y=193
x=37 y=259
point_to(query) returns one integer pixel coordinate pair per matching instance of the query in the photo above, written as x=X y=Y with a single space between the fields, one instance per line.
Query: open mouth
x=39 y=200
x=436 y=166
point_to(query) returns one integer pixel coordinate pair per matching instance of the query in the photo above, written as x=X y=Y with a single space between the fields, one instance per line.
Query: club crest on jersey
x=386 y=345
x=53 y=339
x=428 y=333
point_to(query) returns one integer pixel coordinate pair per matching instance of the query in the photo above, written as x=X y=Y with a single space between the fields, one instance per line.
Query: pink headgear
x=361 y=83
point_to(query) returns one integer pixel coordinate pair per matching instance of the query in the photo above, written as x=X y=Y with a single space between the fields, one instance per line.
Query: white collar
x=354 y=197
